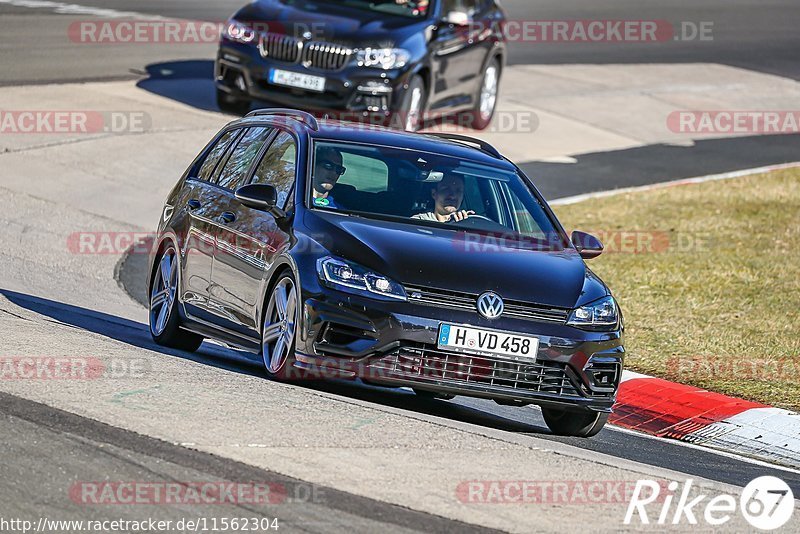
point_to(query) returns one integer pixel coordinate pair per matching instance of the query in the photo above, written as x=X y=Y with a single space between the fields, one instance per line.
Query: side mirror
x=262 y=197
x=588 y=246
x=457 y=18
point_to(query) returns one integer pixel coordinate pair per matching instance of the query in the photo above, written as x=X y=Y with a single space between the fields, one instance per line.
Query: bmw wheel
x=279 y=329
x=164 y=318
x=481 y=116
x=412 y=110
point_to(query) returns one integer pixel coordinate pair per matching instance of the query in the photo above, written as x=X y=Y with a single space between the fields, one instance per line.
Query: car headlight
x=241 y=33
x=351 y=277
x=599 y=314
x=383 y=58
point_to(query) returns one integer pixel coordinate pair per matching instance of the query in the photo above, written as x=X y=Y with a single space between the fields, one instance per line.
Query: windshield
x=403 y=8
x=425 y=189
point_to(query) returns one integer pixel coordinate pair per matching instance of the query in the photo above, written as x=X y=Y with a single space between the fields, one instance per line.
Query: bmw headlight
x=600 y=314
x=241 y=33
x=349 y=276
x=383 y=58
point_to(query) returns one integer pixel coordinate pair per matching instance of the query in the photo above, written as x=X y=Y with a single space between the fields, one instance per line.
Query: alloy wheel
x=279 y=326
x=489 y=92
x=162 y=294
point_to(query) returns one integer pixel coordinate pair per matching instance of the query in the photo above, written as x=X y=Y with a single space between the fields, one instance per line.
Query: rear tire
x=164 y=317
x=570 y=423
x=231 y=104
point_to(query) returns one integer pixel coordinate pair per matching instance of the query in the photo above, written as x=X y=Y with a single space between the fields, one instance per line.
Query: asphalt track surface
x=758 y=35
x=750 y=34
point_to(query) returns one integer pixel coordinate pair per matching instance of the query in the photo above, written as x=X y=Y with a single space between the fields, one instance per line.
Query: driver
x=447 y=196
x=327 y=171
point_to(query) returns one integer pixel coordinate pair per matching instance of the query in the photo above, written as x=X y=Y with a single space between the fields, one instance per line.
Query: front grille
x=280 y=47
x=426 y=363
x=319 y=55
x=326 y=56
x=467 y=301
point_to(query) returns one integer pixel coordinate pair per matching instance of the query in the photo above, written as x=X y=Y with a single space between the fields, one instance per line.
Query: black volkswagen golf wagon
x=335 y=249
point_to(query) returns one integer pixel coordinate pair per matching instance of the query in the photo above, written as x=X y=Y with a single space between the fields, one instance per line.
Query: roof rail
x=484 y=146
x=302 y=116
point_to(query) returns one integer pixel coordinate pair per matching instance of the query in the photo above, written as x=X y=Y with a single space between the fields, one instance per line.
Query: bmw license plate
x=480 y=341
x=296 y=79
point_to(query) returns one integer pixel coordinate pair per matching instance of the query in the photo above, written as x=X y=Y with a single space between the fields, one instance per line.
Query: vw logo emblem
x=490 y=305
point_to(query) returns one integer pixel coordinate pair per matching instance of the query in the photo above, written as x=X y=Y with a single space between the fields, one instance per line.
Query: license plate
x=471 y=340
x=296 y=79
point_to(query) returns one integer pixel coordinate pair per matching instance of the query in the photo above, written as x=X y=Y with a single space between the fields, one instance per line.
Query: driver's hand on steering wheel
x=457 y=216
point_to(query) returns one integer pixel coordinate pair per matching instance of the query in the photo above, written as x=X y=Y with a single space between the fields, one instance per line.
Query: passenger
x=447 y=196
x=328 y=169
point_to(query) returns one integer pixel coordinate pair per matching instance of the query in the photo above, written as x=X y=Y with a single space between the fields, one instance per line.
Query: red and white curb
x=670 y=410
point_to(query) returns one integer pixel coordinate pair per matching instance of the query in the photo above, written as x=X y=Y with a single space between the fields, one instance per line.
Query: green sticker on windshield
x=321 y=201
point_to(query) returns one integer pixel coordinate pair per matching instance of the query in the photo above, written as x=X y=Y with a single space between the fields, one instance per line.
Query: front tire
x=279 y=327
x=480 y=117
x=422 y=393
x=570 y=423
x=164 y=317
x=410 y=116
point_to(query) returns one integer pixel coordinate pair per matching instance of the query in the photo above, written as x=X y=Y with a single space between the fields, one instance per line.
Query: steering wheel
x=481 y=222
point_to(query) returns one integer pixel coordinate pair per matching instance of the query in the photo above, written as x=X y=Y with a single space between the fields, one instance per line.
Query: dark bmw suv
x=335 y=249
x=392 y=61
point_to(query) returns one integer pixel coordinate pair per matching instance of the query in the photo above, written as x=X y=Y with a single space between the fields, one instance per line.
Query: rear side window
x=365 y=174
x=277 y=167
x=242 y=157
x=214 y=155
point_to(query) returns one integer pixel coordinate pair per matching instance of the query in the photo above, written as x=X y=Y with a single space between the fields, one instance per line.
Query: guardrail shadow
x=138 y=335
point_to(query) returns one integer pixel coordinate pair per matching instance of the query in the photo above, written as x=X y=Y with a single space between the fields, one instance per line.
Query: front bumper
x=241 y=71
x=394 y=343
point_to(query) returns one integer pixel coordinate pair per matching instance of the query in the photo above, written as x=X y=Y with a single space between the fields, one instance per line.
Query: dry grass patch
x=708 y=277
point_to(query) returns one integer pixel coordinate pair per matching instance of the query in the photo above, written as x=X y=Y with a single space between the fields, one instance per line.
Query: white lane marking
x=732 y=456
x=63 y=8
x=683 y=181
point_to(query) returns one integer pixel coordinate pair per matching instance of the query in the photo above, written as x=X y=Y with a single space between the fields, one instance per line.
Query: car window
x=214 y=155
x=426 y=189
x=365 y=174
x=241 y=159
x=277 y=167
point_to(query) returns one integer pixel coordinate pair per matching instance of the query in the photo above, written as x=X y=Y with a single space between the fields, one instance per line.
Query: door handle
x=194 y=204
x=227 y=217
